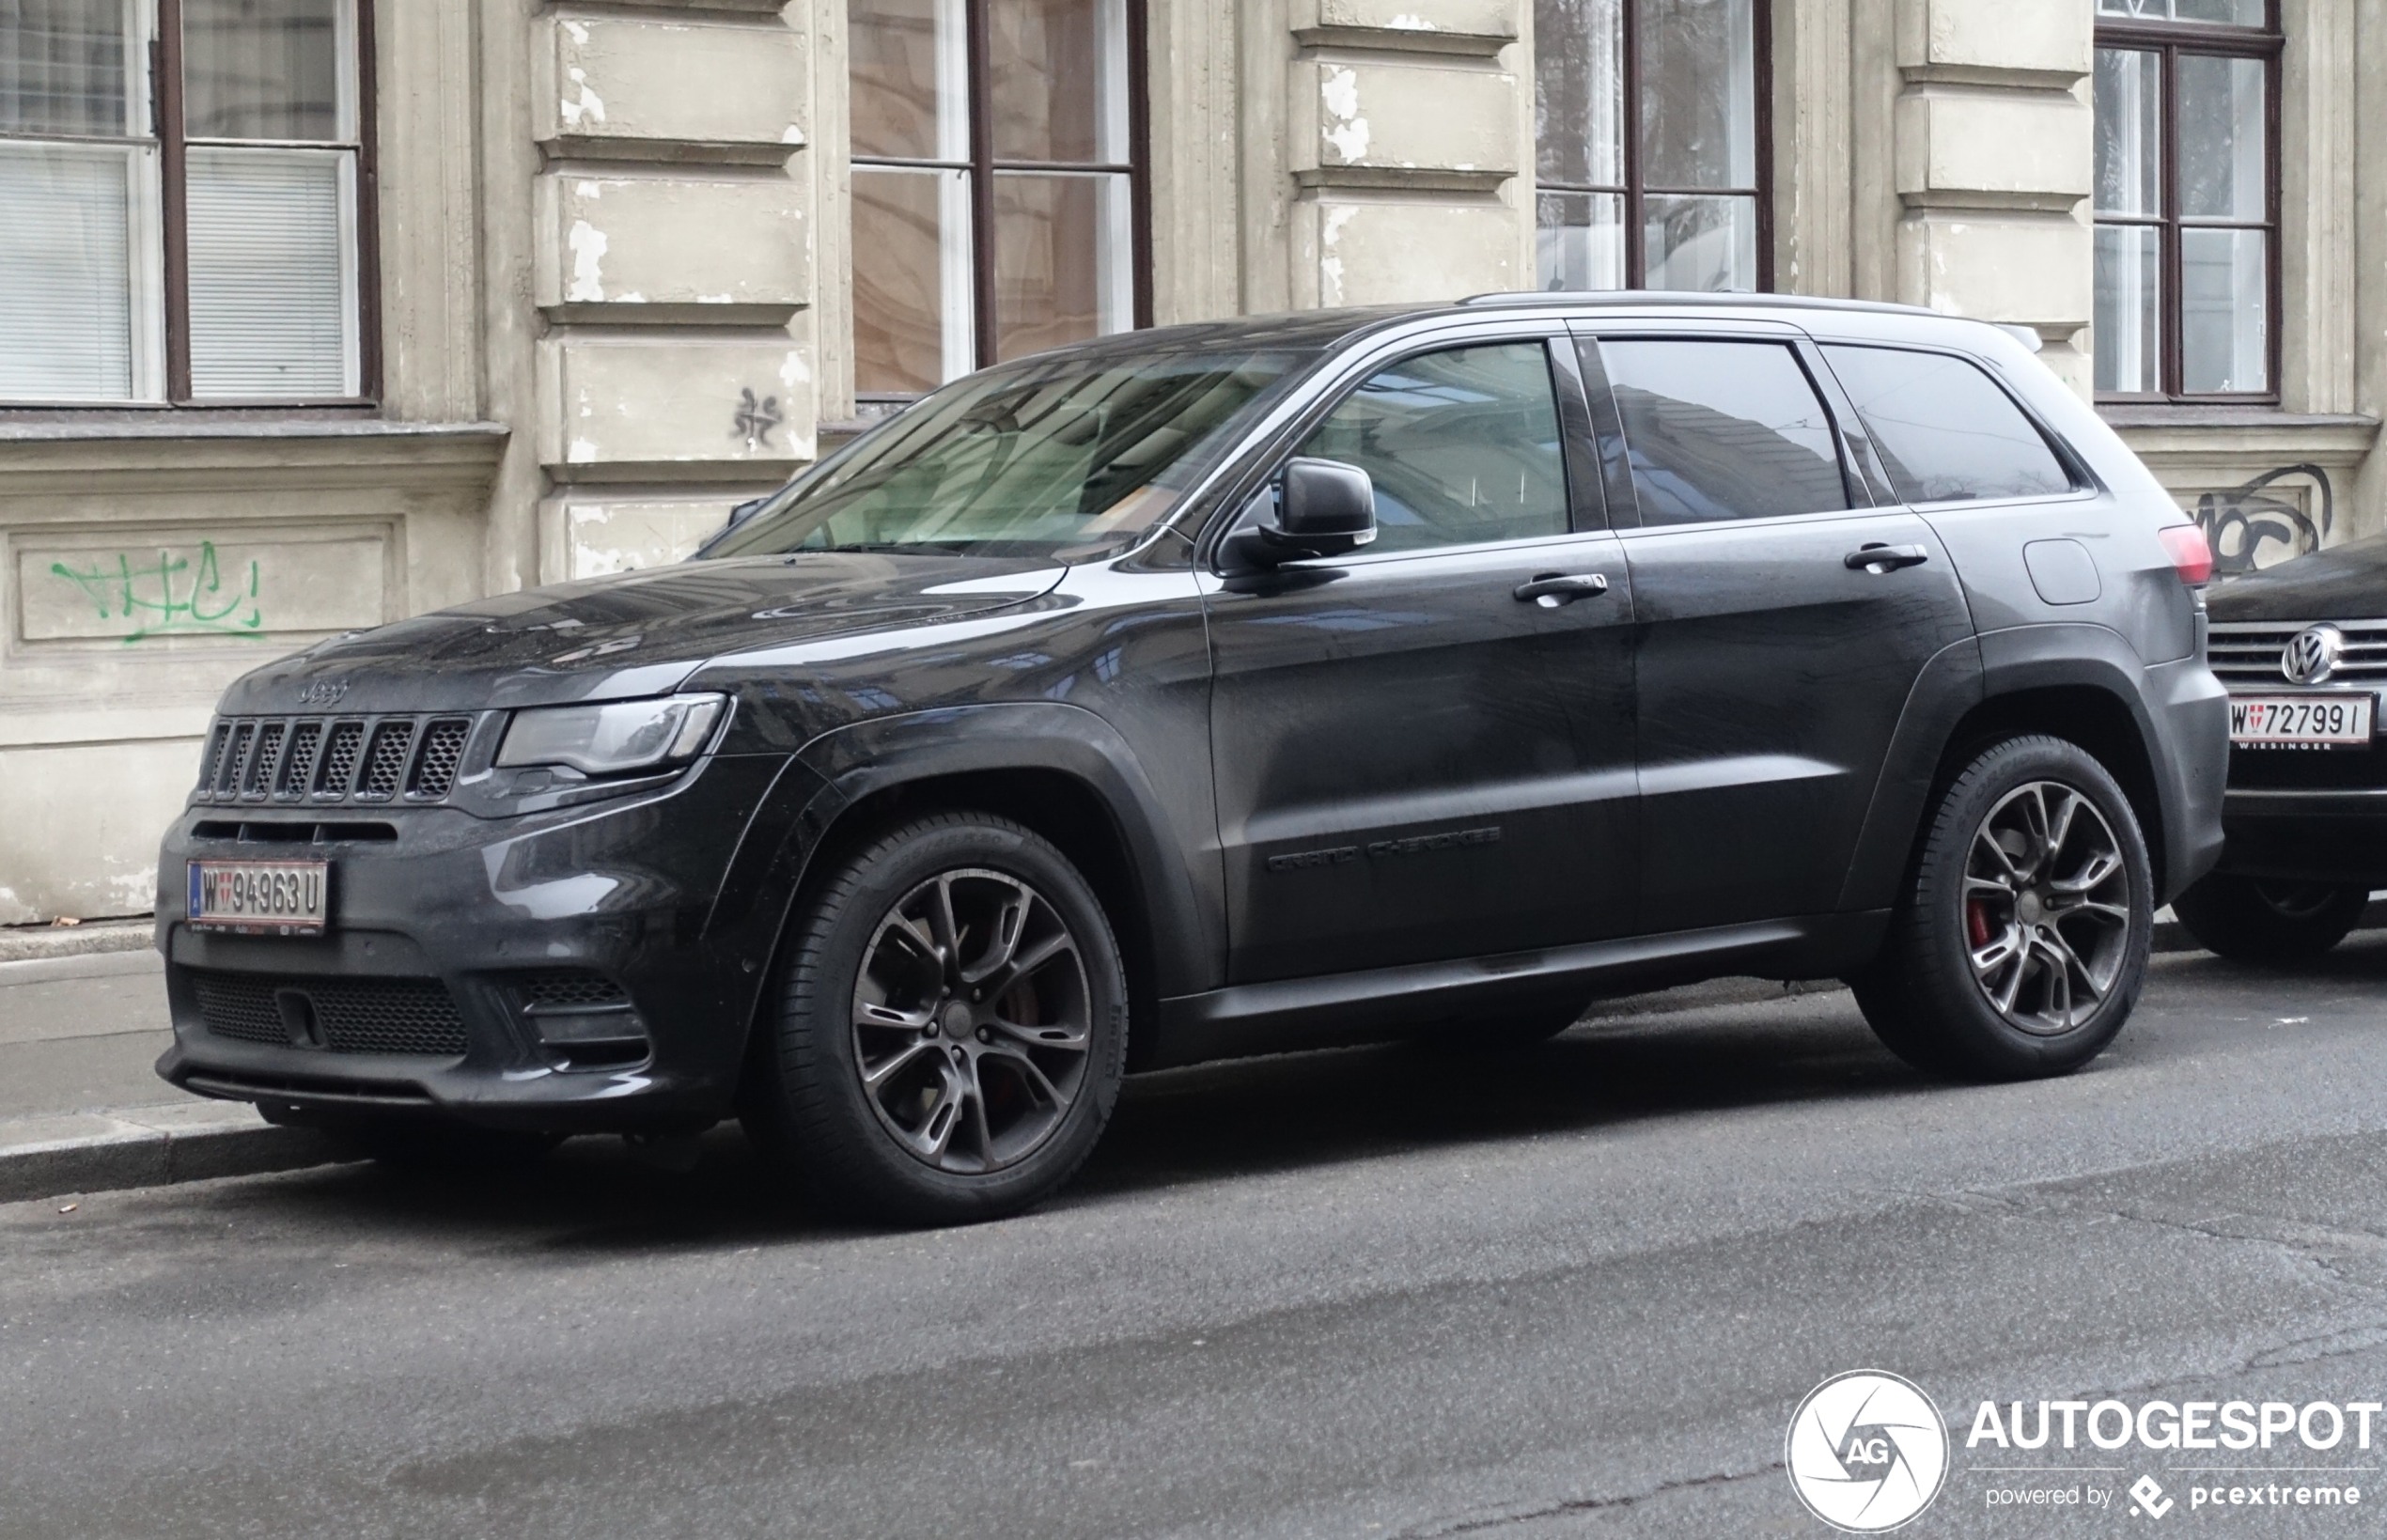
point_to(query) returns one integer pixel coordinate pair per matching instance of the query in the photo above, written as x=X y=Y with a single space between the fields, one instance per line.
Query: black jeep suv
x=1230 y=689
x=2303 y=650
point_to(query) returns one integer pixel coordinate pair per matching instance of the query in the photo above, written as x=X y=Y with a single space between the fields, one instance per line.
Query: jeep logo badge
x=2313 y=655
x=322 y=692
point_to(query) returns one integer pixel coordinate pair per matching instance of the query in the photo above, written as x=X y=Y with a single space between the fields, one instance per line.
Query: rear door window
x=1944 y=431
x=1462 y=445
x=1720 y=430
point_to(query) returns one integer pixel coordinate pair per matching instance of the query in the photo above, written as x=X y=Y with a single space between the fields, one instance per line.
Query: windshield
x=1067 y=458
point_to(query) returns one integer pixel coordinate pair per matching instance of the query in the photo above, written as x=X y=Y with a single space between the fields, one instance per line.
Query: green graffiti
x=173 y=594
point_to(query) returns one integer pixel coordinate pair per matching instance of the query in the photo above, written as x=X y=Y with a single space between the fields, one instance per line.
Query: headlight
x=615 y=737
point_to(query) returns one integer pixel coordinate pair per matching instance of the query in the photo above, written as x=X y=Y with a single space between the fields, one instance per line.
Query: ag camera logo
x=1866 y=1452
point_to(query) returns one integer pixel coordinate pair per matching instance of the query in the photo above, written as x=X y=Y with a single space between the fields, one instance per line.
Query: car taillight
x=2192 y=553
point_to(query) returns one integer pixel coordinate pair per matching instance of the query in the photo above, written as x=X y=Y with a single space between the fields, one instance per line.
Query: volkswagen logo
x=2313 y=655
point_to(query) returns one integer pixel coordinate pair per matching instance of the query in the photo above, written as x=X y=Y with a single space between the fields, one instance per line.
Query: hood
x=632 y=634
x=2344 y=583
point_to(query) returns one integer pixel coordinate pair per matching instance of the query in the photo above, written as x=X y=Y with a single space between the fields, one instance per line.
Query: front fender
x=841 y=768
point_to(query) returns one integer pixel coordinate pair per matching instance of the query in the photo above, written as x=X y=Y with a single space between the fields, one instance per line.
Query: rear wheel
x=2263 y=922
x=951 y=1029
x=2018 y=946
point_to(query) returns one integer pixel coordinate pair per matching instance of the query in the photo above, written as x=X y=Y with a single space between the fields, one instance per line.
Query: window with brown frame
x=1652 y=143
x=184 y=188
x=999 y=186
x=2187 y=200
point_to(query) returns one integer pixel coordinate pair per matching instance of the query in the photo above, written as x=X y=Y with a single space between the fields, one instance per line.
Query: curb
x=146 y=1146
x=24 y=944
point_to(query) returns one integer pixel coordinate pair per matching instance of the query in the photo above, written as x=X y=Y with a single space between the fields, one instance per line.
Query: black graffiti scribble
x=2243 y=524
x=754 y=420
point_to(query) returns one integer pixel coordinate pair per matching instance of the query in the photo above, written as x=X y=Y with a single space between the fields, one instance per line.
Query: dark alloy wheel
x=2020 y=944
x=951 y=1028
x=2253 y=920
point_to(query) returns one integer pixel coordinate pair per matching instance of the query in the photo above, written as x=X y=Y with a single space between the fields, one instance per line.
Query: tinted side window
x=1723 y=431
x=1462 y=445
x=1943 y=429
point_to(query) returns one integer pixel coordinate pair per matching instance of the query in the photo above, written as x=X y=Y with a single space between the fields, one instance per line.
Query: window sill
x=2234 y=439
x=2123 y=414
x=154 y=451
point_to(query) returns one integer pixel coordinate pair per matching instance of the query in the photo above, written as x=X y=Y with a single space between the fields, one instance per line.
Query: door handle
x=1878 y=558
x=1552 y=589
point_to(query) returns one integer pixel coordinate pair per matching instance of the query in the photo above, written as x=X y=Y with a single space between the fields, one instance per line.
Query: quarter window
x=998 y=182
x=1649 y=168
x=2186 y=198
x=1723 y=431
x=1463 y=447
x=181 y=223
x=1943 y=429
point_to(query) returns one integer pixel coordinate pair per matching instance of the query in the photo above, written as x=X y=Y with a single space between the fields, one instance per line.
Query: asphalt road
x=1572 y=1291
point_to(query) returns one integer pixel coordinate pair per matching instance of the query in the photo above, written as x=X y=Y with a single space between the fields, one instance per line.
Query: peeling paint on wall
x=1347 y=132
x=590 y=108
x=587 y=244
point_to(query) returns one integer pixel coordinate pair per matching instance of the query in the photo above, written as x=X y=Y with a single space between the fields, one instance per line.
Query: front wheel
x=2018 y=946
x=951 y=1026
x=2273 y=922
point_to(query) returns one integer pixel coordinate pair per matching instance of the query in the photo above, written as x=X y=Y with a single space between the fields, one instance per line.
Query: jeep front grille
x=2246 y=653
x=323 y=760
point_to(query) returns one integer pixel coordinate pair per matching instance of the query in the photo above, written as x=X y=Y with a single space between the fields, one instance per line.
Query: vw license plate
x=2286 y=722
x=262 y=897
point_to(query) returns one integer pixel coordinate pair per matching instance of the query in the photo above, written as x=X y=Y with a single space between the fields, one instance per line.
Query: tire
x=2005 y=961
x=2248 y=920
x=989 y=1087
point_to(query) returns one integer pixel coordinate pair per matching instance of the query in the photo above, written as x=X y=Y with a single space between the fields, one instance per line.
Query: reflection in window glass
x=2223 y=162
x=1062 y=241
x=1057 y=72
x=1463 y=447
x=2129 y=308
x=1687 y=215
x=1943 y=429
x=1065 y=457
x=2224 y=303
x=62 y=68
x=2224 y=12
x=2129 y=132
x=1698 y=93
x=911 y=298
x=263 y=68
x=1723 y=431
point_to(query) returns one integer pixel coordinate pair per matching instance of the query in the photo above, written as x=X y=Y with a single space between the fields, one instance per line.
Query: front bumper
x=450 y=934
x=2336 y=836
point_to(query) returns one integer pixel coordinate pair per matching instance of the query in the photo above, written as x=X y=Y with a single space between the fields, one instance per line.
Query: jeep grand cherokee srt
x=1230 y=689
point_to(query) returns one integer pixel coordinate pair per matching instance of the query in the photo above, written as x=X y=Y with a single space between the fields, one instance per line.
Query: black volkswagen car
x=1225 y=689
x=2302 y=647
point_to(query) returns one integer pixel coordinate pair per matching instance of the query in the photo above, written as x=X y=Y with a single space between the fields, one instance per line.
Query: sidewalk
x=82 y=1020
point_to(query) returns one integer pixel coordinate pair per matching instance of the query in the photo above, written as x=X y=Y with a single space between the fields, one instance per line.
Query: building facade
x=314 y=314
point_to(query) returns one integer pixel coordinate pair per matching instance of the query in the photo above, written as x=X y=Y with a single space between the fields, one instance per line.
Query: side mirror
x=1323 y=508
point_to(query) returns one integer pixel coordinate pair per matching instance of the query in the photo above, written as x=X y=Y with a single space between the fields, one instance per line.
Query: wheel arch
x=1058 y=769
x=2084 y=683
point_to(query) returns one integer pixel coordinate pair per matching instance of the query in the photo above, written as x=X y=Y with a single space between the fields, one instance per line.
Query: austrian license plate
x=262 y=897
x=2286 y=722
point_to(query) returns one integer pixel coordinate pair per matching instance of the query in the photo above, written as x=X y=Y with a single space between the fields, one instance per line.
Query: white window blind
x=66 y=303
x=273 y=307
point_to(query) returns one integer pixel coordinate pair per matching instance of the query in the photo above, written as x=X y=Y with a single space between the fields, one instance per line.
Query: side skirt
x=1386 y=1003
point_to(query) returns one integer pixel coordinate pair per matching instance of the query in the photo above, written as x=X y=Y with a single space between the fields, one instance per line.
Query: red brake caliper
x=1977 y=921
